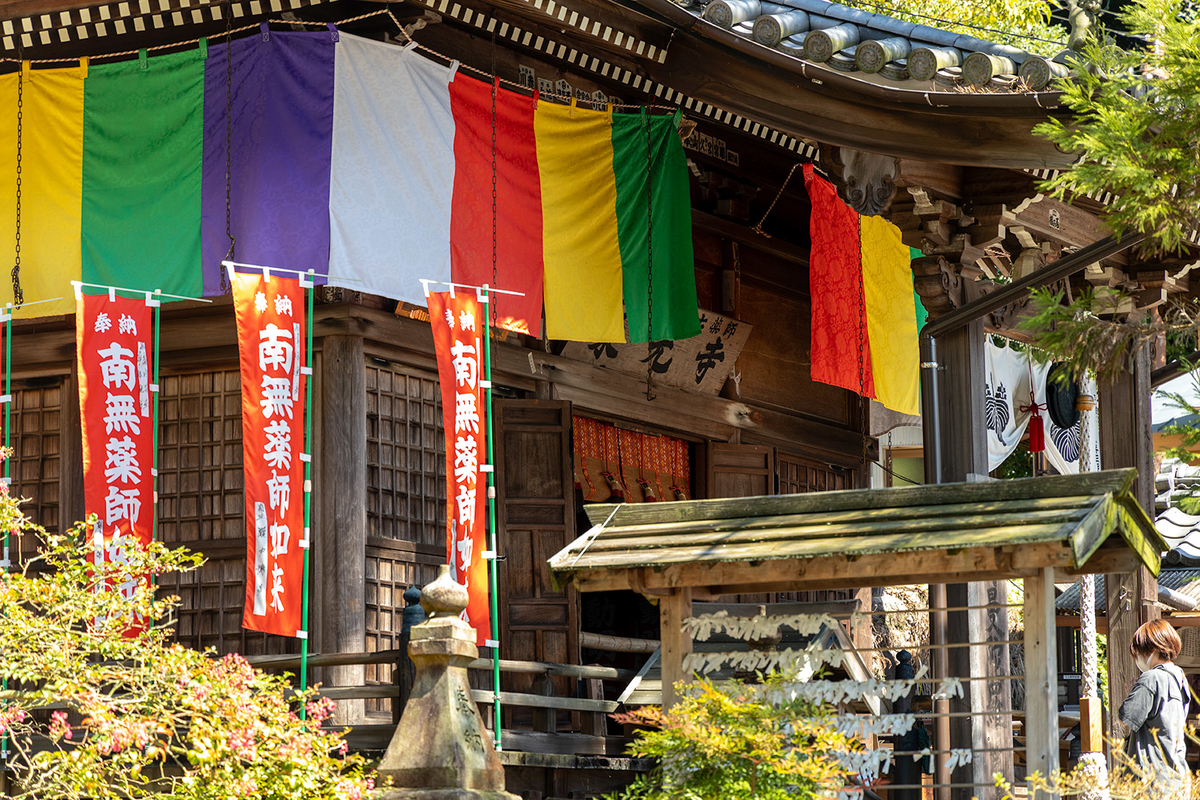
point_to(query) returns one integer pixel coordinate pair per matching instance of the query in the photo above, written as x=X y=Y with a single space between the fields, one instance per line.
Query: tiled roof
x=853 y=40
x=1185 y=580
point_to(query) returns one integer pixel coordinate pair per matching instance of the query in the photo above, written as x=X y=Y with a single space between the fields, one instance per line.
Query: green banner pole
x=491 y=499
x=8 y=401
x=152 y=300
x=7 y=479
x=307 y=371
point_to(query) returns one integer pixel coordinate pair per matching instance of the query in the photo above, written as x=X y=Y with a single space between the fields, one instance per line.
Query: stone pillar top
x=444 y=597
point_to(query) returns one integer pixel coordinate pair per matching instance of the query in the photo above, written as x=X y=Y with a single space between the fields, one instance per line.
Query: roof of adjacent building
x=1071 y=515
x=878 y=46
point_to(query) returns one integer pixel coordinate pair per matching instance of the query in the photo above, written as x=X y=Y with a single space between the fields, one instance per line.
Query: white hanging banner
x=1010 y=376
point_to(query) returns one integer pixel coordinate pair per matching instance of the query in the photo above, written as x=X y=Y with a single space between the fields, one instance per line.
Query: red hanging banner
x=458 y=327
x=114 y=347
x=271 y=346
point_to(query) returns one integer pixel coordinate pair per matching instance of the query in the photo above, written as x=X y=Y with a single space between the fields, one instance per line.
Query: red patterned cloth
x=835 y=284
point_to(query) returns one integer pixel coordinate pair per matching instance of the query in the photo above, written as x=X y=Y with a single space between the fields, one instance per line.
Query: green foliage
x=1127 y=780
x=1088 y=337
x=1020 y=23
x=1019 y=464
x=731 y=742
x=1102 y=666
x=1136 y=121
x=134 y=716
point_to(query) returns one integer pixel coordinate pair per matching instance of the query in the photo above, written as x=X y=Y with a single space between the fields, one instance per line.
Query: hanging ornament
x=1037 y=433
x=1062 y=396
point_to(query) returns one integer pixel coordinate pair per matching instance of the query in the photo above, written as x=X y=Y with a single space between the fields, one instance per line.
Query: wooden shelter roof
x=947 y=533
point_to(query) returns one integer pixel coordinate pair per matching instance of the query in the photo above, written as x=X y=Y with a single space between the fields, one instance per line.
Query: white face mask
x=1143 y=663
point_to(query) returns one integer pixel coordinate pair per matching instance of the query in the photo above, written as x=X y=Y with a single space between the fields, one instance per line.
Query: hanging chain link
x=758 y=228
x=862 y=389
x=18 y=293
x=495 y=208
x=225 y=287
x=649 y=257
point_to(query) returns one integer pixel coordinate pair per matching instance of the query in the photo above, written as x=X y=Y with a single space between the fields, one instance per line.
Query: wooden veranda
x=1033 y=529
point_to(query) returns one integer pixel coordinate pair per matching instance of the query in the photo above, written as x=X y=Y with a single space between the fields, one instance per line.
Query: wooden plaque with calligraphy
x=701 y=363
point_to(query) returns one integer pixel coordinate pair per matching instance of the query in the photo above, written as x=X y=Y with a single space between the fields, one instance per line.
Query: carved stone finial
x=445 y=597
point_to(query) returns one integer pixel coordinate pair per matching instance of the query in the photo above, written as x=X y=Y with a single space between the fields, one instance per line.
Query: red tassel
x=1037 y=434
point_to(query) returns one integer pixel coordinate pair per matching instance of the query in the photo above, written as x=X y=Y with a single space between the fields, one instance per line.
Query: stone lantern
x=441 y=749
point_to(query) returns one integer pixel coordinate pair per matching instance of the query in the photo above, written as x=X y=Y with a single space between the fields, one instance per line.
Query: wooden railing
x=586 y=734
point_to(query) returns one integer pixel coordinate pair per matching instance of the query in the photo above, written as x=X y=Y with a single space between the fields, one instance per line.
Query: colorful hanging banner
x=459 y=326
x=271 y=342
x=51 y=152
x=143 y=132
x=333 y=137
x=864 y=315
x=115 y=350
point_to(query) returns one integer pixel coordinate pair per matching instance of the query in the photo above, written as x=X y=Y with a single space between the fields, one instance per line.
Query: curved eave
x=811 y=100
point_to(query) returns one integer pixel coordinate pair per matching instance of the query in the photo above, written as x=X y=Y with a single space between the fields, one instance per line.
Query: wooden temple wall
x=378 y=455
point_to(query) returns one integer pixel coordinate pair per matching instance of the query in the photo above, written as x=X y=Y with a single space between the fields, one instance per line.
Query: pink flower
x=59 y=726
x=320 y=709
x=241 y=742
x=343 y=748
x=8 y=717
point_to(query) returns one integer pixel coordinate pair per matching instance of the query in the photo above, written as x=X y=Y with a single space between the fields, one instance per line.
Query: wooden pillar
x=70 y=502
x=1041 y=674
x=962 y=374
x=673 y=609
x=962 y=426
x=1126 y=440
x=342 y=533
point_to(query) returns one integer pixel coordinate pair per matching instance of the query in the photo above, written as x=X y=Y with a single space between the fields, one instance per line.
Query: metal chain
x=862 y=346
x=758 y=228
x=225 y=287
x=495 y=209
x=649 y=256
x=18 y=294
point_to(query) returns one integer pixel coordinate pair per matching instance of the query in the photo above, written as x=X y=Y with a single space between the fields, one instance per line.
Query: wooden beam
x=673 y=609
x=832 y=572
x=1041 y=674
x=777 y=248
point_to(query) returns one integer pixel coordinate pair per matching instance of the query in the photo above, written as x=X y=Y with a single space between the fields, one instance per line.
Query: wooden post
x=1126 y=440
x=962 y=422
x=1041 y=675
x=71 y=503
x=342 y=534
x=673 y=609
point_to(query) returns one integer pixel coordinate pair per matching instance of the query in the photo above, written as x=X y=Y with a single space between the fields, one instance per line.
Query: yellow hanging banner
x=51 y=186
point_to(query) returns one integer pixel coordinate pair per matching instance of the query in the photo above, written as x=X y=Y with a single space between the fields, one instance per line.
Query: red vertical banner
x=271 y=348
x=459 y=326
x=114 y=356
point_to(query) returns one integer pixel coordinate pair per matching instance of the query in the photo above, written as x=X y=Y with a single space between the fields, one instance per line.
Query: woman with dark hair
x=1156 y=710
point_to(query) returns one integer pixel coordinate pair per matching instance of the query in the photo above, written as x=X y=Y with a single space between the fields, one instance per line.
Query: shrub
x=734 y=741
x=93 y=711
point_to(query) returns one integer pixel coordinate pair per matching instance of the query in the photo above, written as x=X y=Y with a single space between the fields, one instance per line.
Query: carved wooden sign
x=701 y=363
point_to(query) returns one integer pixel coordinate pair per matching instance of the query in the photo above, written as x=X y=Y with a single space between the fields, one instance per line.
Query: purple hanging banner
x=281 y=144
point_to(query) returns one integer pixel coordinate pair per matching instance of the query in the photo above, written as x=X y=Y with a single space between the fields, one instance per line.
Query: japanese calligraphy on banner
x=271 y=347
x=459 y=326
x=114 y=346
x=701 y=363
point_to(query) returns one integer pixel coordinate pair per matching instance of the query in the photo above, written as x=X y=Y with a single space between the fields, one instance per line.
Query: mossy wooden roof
x=947 y=533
